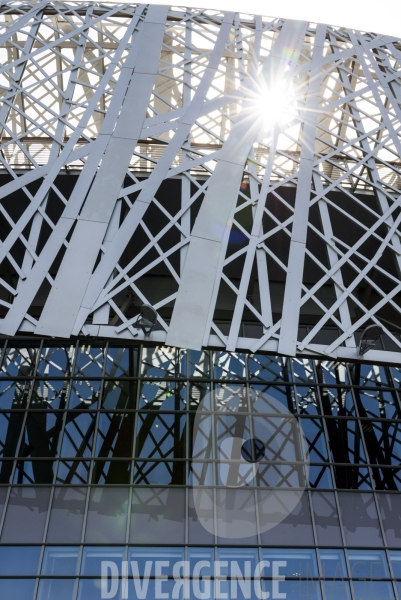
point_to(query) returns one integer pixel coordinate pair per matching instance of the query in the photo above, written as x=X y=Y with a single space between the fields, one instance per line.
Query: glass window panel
x=34 y=471
x=62 y=589
x=92 y=559
x=157 y=516
x=373 y=590
x=90 y=589
x=163 y=395
x=197 y=534
x=60 y=561
x=67 y=515
x=141 y=555
x=42 y=434
x=292 y=529
x=269 y=368
x=160 y=435
x=383 y=441
x=243 y=501
x=163 y=361
x=19 y=362
x=121 y=361
x=26 y=515
x=3 y=494
x=73 y=472
x=119 y=395
x=197 y=393
x=10 y=432
x=337 y=590
x=153 y=589
x=227 y=365
x=303 y=370
x=300 y=563
x=196 y=555
x=159 y=473
x=115 y=434
x=395 y=559
x=49 y=394
x=332 y=372
x=14 y=394
x=333 y=564
x=386 y=478
x=345 y=441
x=84 y=394
x=308 y=402
x=19 y=560
x=326 y=519
x=370 y=375
x=364 y=530
x=111 y=472
x=320 y=476
x=89 y=361
x=371 y=564
x=17 y=588
x=55 y=361
x=240 y=556
x=107 y=515
x=390 y=512
x=352 y=478
x=337 y=402
x=78 y=434
x=199 y=363
x=314 y=435
x=377 y=403
x=298 y=589
x=283 y=394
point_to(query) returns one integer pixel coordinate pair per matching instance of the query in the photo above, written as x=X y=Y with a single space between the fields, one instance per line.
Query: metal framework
x=142 y=163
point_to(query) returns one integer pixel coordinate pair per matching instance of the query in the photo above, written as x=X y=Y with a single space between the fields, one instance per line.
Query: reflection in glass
x=383 y=441
x=84 y=394
x=162 y=395
x=89 y=361
x=300 y=563
x=34 y=471
x=337 y=402
x=333 y=564
x=308 y=402
x=14 y=394
x=269 y=368
x=281 y=393
x=157 y=516
x=159 y=473
x=121 y=361
x=107 y=515
x=49 y=394
x=332 y=372
x=303 y=370
x=62 y=589
x=78 y=435
x=163 y=361
x=19 y=560
x=112 y=472
x=42 y=434
x=67 y=515
x=92 y=558
x=26 y=515
x=352 y=478
x=369 y=564
x=60 y=561
x=345 y=441
x=55 y=361
x=73 y=472
x=19 y=362
x=227 y=365
x=114 y=434
x=160 y=435
x=119 y=395
x=377 y=403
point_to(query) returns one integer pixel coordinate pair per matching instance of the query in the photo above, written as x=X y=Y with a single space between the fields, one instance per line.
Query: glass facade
x=96 y=463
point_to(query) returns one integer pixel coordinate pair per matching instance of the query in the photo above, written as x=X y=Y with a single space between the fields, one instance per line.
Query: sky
x=378 y=16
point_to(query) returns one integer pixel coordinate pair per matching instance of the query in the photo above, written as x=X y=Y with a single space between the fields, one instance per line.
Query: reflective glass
x=107 y=515
x=19 y=560
x=73 y=472
x=34 y=471
x=162 y=395
x=157 y=516
x=55 y=361
x=111 y=472
x=143 y=555
x=160 y=435
x=296 y=589
x=315 y=438
x=114 y=434
x=14 y=394
x=333 y=564
x=292 y=530
x=264 y=368
x=92 y=558
x=373 y=590
x=364 y=531
x=345 y=441
x=395 y=559
x=67 y=515
x=121 y=361
x=163 y=361
x=159 y=473
x=299 y=563
x=26 y=515
x=337 y=589
x=62 y=589
x=60 y=561
x=19 y=362
x=78 y=435
x=51 y=394
x=205 y=555
x=303 y=370
x=326 y=519
x=197 y=393
x=245 y=558
x=41 y=435
x=119 y=395
x=90 y=589
x=283 y=394
x=383 y=441
x=89 y=361
x=377 y=403
x=17 y=588
x=10 y=431
x=320 y=476
x=368 y=564
x=84 y=394
x=308 y=403
x=332 y=372
x=370 y=375
x=352 y=478
x=390 y=512
x=337 y=402
x=199 y=363
x=227 y=365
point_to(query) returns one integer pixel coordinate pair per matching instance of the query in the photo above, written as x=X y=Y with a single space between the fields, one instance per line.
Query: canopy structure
x=240 y=174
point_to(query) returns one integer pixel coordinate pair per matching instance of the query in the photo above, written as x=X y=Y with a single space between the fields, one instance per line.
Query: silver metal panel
x=239 y=173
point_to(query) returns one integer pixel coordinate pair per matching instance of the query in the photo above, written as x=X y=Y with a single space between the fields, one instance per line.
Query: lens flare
x=276 y=103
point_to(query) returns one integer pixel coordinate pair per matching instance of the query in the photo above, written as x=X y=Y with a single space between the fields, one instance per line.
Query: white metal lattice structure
x=241 y=174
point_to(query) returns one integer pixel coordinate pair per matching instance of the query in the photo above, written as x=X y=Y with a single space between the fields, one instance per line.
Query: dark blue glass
x=296 y=589
x=19 y=560
x=373 y=590
x=333 y=564
x=14 y=394
x=144 y=559
x=92 y=558
x=369 y=564
x=238 y=556
x=337 y=589
x=17 y=589
x=89 y=361
x=299 y=562
x=198 y=555
x=62 y=589
x=121 y=361
x=56 y=362
x=60 y=561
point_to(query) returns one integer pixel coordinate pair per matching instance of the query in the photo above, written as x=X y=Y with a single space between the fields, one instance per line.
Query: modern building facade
x=241 y=175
